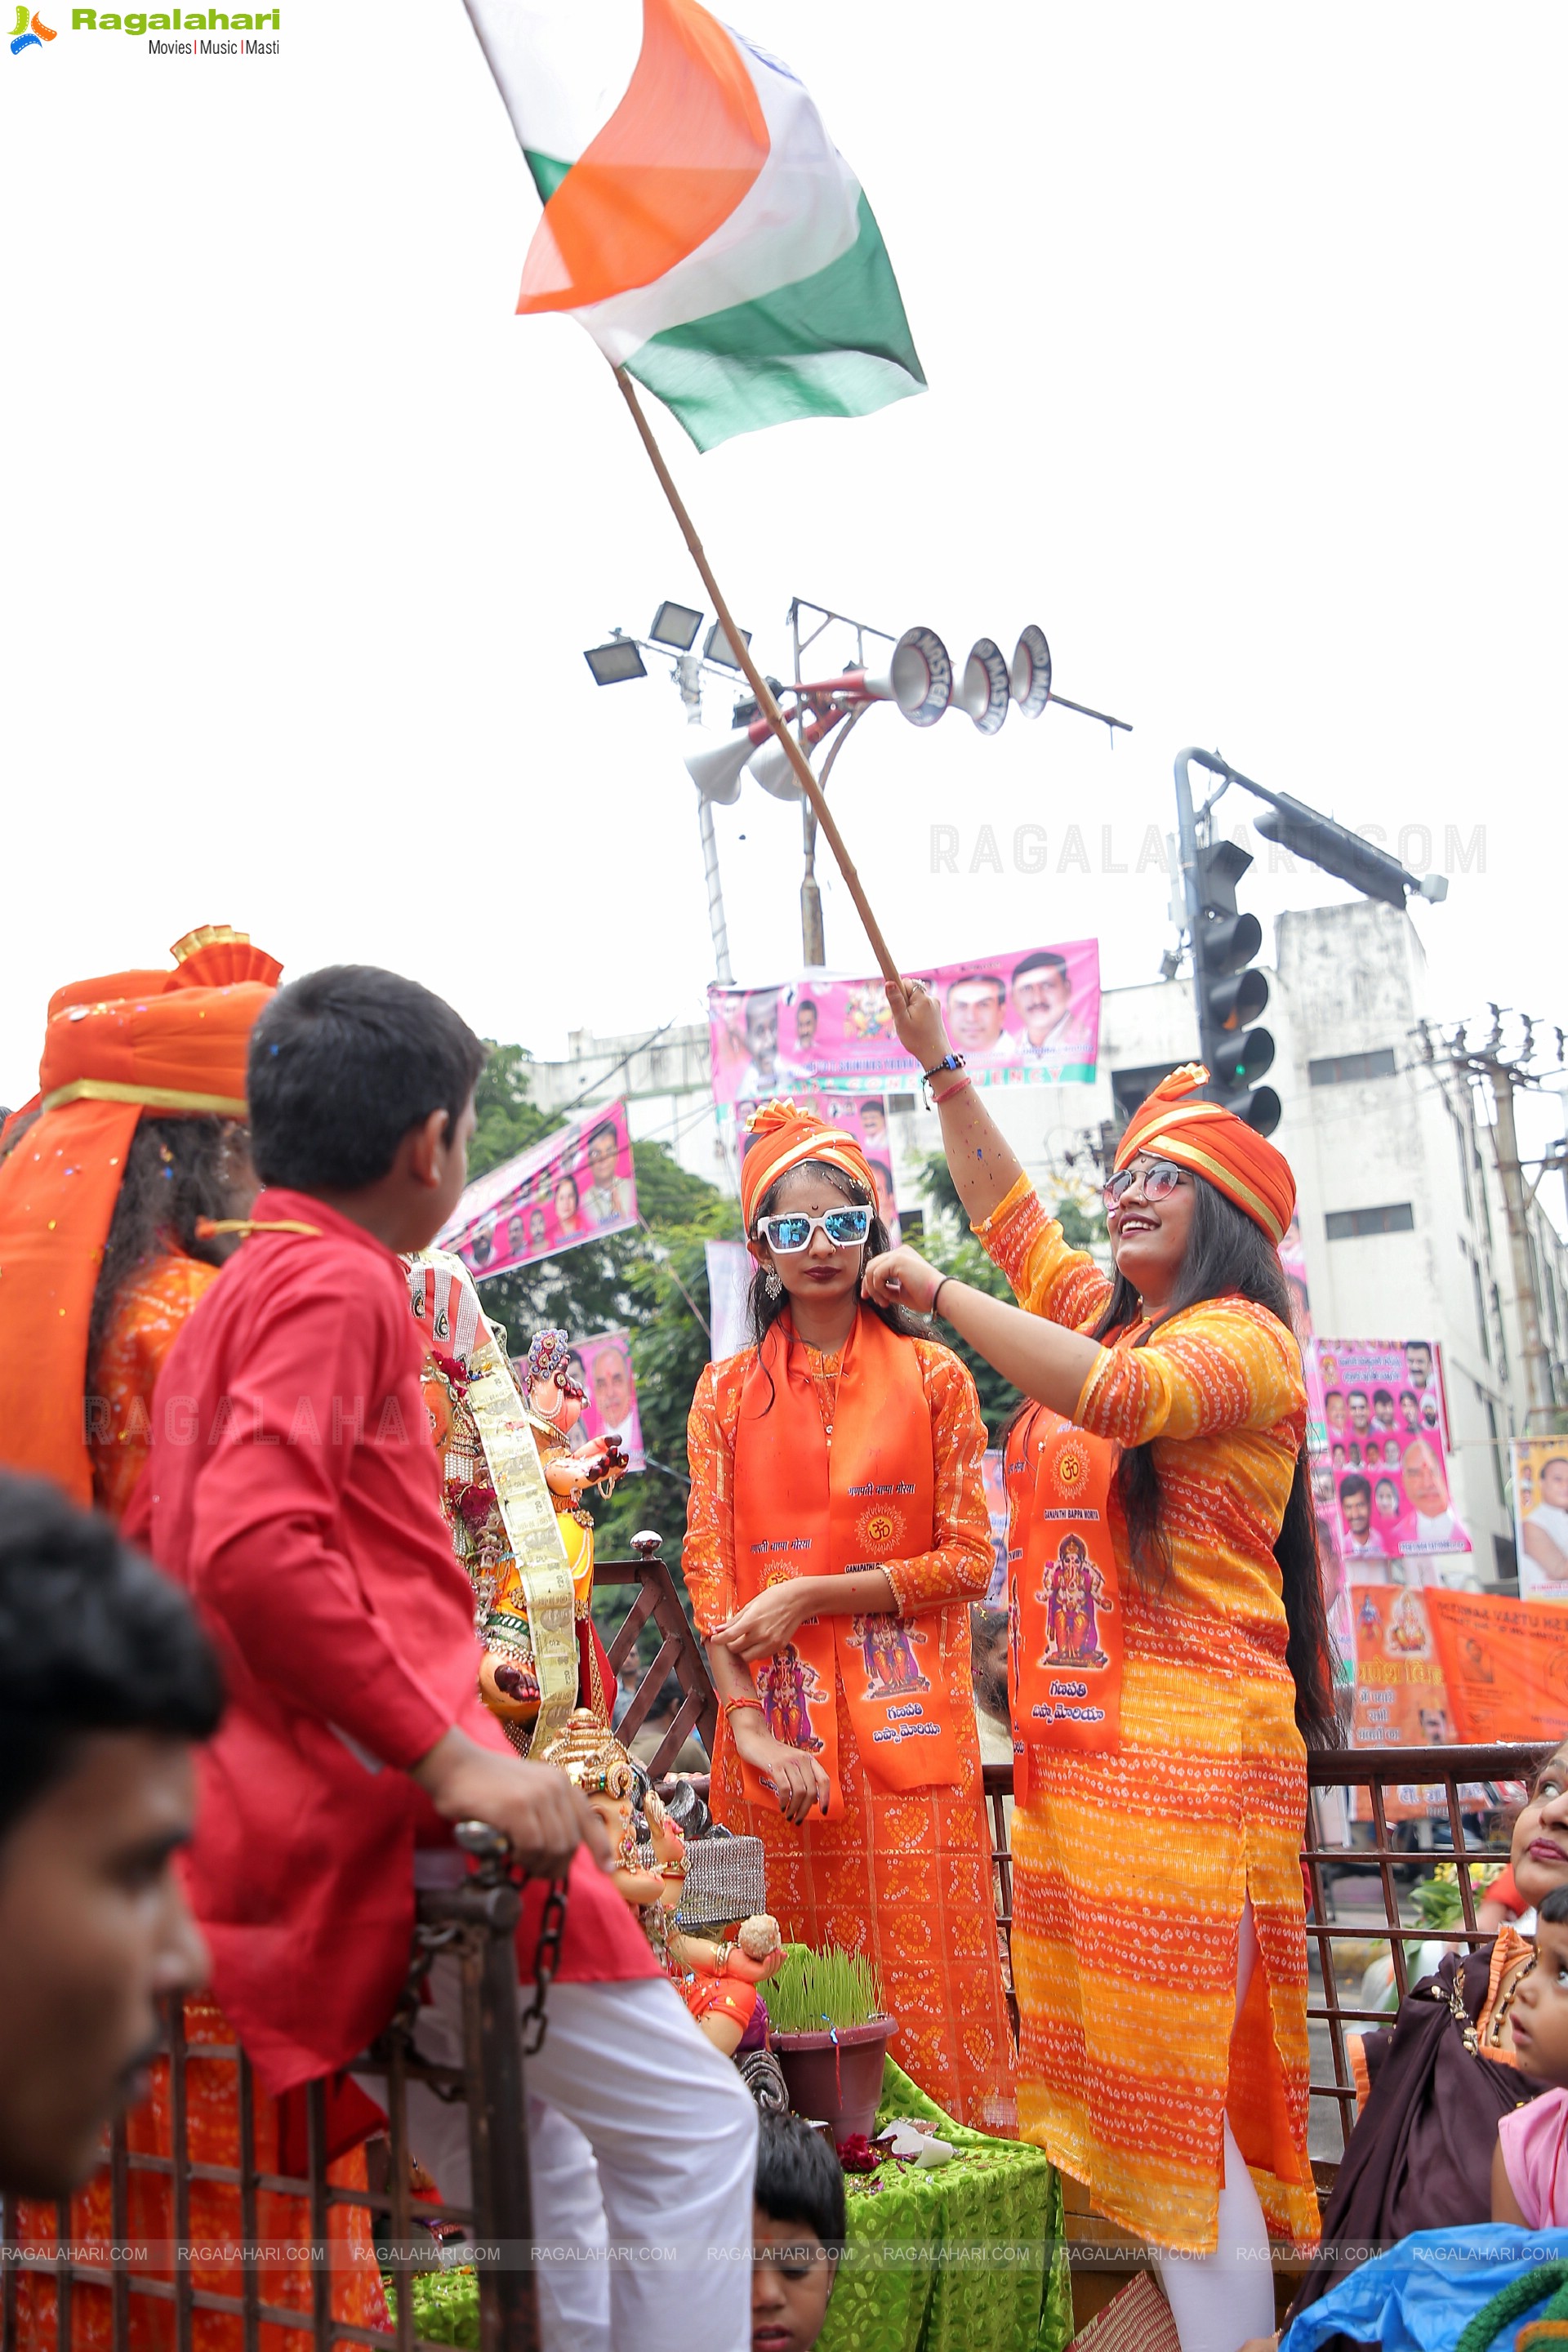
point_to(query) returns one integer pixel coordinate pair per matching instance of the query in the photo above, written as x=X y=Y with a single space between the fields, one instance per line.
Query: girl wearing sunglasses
x=1171 y=1661
x=836 y=1535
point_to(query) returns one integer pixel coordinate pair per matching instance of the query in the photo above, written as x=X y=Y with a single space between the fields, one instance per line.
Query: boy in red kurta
x=292 y=1486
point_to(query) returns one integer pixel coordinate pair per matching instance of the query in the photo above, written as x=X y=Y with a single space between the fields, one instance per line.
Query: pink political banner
x=1027 y=1018
x=865 y=1117
x=576 y=1186
x=1380 y=1404
x=611 y=1406
x=995 y=1487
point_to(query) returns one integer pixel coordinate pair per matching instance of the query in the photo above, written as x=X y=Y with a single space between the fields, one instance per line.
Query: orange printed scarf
x=1064 y=1615
x=807 y=1506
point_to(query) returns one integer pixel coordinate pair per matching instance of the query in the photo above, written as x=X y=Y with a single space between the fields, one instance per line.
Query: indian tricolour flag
x=697 y=219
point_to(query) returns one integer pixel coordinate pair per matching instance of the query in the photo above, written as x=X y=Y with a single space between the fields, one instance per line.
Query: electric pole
x=1505 y=1072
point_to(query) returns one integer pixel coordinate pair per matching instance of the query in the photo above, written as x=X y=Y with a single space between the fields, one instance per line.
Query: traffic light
x=1230 y=993
x=1342 y=852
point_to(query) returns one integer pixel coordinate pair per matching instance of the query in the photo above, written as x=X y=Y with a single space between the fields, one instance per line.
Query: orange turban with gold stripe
x=1211 y=1142
x=164 y=1043
x=786 y=1139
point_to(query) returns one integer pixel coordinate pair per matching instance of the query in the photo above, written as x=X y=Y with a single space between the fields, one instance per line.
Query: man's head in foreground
x=360 y=1086
x=105 y=1682
x=797 y=2235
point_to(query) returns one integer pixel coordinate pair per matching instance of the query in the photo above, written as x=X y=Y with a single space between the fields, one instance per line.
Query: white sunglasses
x=786 y=1235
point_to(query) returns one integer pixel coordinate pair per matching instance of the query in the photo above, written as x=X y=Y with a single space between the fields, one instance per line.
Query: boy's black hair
x=799 y=2179
x=1554 y=1907
x=93 y=1638
x=342 y=1064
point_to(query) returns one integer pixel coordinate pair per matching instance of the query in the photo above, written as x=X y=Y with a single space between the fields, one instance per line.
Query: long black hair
x=1228 y=1254
x=762 y=1311
x=177 y=1170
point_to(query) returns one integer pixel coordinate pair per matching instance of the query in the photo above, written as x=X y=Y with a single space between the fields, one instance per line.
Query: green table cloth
x=969 y=2258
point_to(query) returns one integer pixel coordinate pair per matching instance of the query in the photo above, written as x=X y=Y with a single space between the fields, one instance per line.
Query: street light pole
x=813 y=952
x=689 y=680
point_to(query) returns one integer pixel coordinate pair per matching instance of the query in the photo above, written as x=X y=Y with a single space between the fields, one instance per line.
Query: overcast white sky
x=1243 y=329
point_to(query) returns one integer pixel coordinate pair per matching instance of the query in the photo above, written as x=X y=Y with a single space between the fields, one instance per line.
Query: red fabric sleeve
x=322 y=1366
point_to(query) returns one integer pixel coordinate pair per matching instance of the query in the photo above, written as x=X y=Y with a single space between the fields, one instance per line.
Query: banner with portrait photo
x=996 y=1486
x=576 y=1186
x=605 y=1363
x=865 y=1117
x=1540 y=1517
x=1505 y=1661
x=1401 y=1699
x=1385 y=1428
x=1030 y=1017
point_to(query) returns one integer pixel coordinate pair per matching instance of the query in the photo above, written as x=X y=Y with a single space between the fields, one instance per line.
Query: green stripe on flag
x=547 y=171
x=834 y=344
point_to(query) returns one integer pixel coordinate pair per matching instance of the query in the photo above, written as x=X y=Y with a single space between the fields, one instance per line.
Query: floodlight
x=613 y=661
x=676 y=626
x=717 y=647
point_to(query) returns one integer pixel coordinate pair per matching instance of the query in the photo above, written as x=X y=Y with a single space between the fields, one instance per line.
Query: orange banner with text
x=1401 y=1698
x=1505 y=1664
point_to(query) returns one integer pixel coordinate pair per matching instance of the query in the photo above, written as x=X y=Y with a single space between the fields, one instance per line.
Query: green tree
x=948 y=1244
x=651 y=1282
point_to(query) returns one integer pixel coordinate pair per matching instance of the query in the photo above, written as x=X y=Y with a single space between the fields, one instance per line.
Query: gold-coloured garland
x=528 y=1515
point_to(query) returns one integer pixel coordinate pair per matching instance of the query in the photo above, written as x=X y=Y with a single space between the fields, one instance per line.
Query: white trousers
x=642 y=2144
x=1223 y=2300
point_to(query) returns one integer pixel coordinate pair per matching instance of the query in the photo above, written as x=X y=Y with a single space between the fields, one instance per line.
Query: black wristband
x=936 y=1294
x=948 y=1062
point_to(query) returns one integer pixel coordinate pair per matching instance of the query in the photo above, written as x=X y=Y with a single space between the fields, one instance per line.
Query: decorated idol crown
x=549 y=1359
x=592 y=1758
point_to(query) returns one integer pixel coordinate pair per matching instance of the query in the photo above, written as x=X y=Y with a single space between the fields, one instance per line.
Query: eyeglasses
x=844 y=1228
x=1160 y=1179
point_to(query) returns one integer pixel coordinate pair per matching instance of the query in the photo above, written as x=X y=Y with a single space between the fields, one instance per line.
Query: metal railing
x=475 y=1923
x=1476 y=1823
x=166 y=2198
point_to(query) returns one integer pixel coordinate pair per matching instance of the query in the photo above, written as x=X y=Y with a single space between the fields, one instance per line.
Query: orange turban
x=163 y=1042
x=1213 y=1142
x=784 y=1137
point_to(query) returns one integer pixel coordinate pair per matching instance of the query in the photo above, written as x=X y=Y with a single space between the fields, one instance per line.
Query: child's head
x=1540 y=1849
x=360 y=1083
x=797 y=2235
x=1540 y=2012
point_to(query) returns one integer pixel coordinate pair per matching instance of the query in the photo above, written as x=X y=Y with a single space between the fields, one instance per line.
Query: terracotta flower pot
x=836 y=2082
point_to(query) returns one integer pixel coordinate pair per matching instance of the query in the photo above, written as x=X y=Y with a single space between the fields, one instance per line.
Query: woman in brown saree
x=1434 y=2085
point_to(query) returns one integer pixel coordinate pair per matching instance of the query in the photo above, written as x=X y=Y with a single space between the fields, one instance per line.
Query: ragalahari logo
x=29 y=32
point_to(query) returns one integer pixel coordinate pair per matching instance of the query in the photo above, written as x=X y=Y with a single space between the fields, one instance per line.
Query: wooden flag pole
x=760 y=688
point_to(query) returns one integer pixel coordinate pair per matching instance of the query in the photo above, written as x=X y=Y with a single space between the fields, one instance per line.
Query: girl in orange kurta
x=123 y=1211
x=1158 y=1946
x=837 y=1534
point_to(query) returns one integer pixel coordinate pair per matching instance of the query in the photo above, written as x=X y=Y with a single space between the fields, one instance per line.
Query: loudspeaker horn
x=1031 y=672
x=982 y=692
x=919 y=679
x=769 y=764
x=715 y=767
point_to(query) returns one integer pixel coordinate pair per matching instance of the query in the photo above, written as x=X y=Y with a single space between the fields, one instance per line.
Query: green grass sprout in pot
x=446 y=2306
x=815 y=1990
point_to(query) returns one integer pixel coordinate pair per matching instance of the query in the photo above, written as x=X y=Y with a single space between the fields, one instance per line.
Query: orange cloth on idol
x=161 y=1042
x=787 y=1137
x=904 y=1875
x=1131 y=1869
x=1211 y=1142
